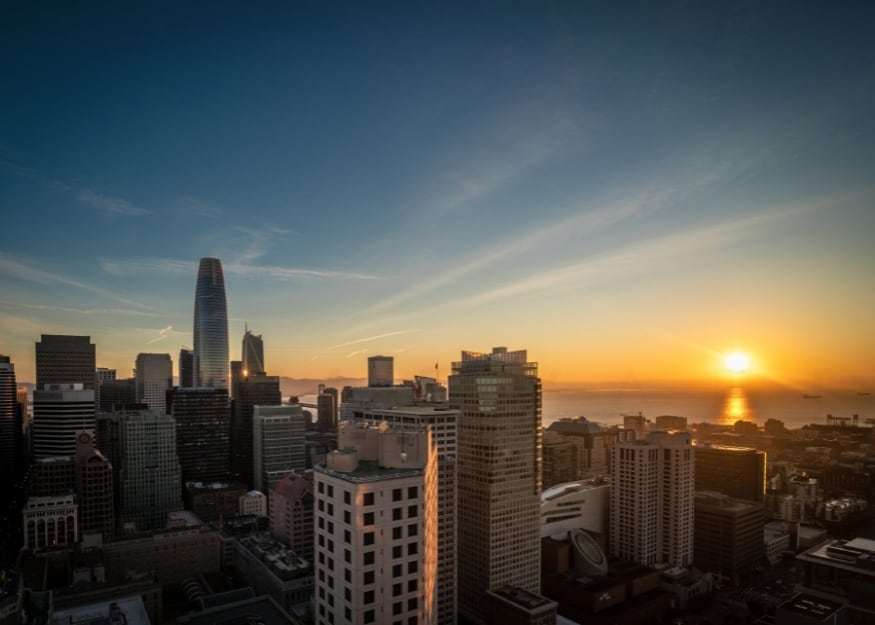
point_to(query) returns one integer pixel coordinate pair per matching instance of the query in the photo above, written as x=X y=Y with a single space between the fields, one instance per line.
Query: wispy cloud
x=108 y=204
x=163 y=333
x=368 y=339
x=112 y=312
x=260 y=241
x=356 y=353
x=17 y=269
x=166 y=266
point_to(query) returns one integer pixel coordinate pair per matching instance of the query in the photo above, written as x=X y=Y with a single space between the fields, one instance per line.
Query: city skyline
x=630 y=195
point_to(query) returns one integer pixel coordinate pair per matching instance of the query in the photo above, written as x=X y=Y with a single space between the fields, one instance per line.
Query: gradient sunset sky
x=628 y=194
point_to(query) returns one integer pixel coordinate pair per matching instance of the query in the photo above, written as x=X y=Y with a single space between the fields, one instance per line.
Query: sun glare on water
x=736 y=362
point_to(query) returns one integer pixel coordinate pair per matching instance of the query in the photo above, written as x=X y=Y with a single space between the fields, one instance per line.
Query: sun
x=736 y=362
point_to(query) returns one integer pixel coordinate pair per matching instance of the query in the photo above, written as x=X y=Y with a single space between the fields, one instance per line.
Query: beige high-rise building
x=376 y=529
x=153 y=377
x=441 y=421
x=652 y=499
x=499 y=475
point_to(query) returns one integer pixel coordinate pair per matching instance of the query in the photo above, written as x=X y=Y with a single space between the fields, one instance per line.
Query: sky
x=629 y=193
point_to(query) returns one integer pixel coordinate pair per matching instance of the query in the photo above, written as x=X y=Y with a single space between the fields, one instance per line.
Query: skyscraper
x=652 y=499
x=59 y=411
x=210 y=326
x=253 y=390
x=153 y=375
x=10 y=419
x=277 y=444
x=94 y=488
x=63 y=359
x=381 y=371
x=203 y=427
x=253 y=353
x=186 y=367
x=498 y=475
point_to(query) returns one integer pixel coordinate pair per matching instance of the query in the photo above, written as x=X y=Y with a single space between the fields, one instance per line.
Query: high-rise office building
x=728 y=534
x=236 y=377
x=290 y=508
x=210 y=326
x=203 y=428
x=652 y=499
x=441 y=422
x=117 y=395
x=376 y=529
x=142 y=448
x=736 y=471
x=154 y=376
x=278 y=444
x=94 y=488
x=254 y=390
x=101 y=375
x=327 y=410
x=10 y=420
x=63 y=359
x=186 y=367
x=59 y=411
x=498 y=474
x=253 y=353
x=381 y=371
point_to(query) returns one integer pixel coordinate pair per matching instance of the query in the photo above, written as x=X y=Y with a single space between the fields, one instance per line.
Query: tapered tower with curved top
x=210 y=326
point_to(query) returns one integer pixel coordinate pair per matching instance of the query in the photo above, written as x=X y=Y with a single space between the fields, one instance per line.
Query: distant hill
x=310 y=386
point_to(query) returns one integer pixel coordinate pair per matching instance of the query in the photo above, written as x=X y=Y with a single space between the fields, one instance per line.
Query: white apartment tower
x=441 y=422
x=376 y=529
x=653 y=499
x=499 y=475
x=153 y=375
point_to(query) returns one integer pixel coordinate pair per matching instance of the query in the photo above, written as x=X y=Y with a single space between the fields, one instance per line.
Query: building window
x=368 y=518
x=396 y=552
x=397 y=570
x=412 y=511
x=369 y=558
x=397 y=589
x=369 y=616
x=413 y=585
x=368 y=577
x=397 y=607
x=368 y=499
x=412 y=603
x=369 y=538
x=347 y=517
x=412 y=549
x=347 y=575
x=396 y=494
x=412 y=529
x=396 y=533
x=347 y=556
x=347 y=537
x=369 y=596
x=396 y=514
x=413 y=492
x=412 y=566
x=346 y=497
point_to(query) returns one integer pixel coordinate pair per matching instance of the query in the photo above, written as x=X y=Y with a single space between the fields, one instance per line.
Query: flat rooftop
x=567 y=488
x=522 y=598
x=811 y=607
x=131 y=609
x=370 y=471
x=856 y=555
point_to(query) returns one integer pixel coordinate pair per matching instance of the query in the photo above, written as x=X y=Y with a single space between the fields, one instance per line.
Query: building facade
x=10 y=420
x=652 y=500
x=186 y=367
x=290 y=508
x=728 y=534
x=442 y=423
x=253 y=353
x=64 y=359
x=278 y=444
x=59 y=412
x=50 y=521
x=210 y=326
x=94 y=488
x=739 y=472
x=376 y=529
x=498 y=469
x=202 y=417
x=381 y=371
x=253 y=390
x=153 y=377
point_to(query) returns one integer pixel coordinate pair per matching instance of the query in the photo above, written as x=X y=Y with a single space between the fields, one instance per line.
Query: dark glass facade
x=210 y=326
x=203 y=429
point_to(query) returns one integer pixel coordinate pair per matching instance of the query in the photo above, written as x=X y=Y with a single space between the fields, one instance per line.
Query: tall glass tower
x=210 y=326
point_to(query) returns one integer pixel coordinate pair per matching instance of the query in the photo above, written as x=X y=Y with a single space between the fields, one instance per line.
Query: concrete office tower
x=652 y=499
x=203 y=429
x=290 y=507
x=736 y=471
x=254 y=390
x=59 y=411
x=499 y=475
x=210 y=326
x=728 y=534
x=94 y=488
x=154 y=376
x=381 y=371
x=62 y=359
x=441 y=422
x=278 y=443
x=376 y=529
x=10 y=421
x=101 y=375
x=142 y=448
x=186 y=367
x=327 y=410
x=117 y=395
x=253 y=353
